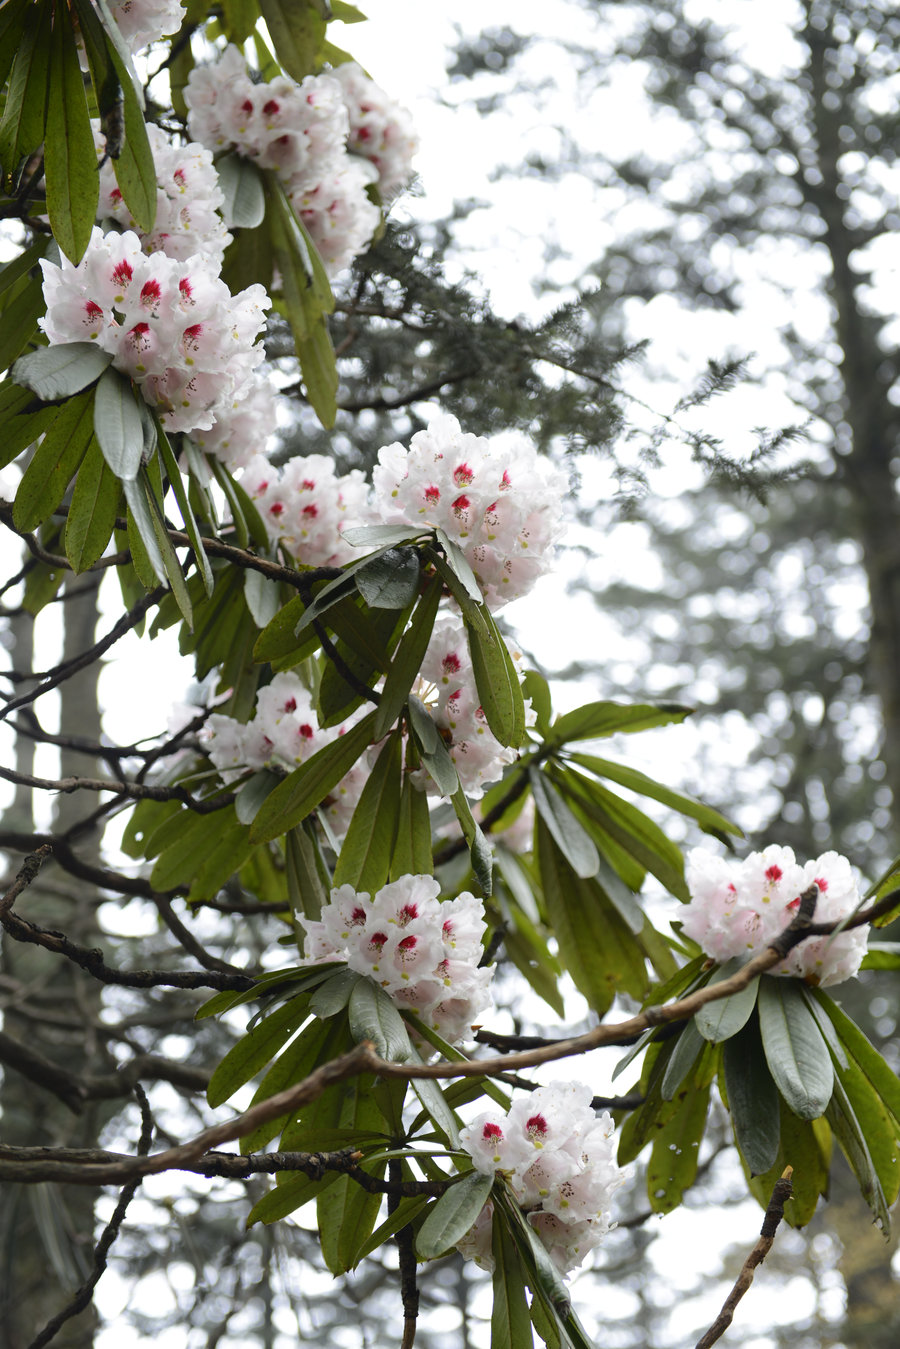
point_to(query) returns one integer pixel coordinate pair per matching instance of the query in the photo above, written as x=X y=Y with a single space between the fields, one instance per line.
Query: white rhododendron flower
x=380 y=130
x=241 y=433
x=446 y=684
x=338 y=213
x=559 y=1158
x=306 y=505
x=497 y=497
x=300 y=130
x=188 y=199
x=738 y=908
x=283 y=734
x=424 y=953
x=173 y=327
x=144 y=21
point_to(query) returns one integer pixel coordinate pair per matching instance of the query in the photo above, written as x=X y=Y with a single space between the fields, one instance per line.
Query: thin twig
x=110 y=1232
x=774 y=1214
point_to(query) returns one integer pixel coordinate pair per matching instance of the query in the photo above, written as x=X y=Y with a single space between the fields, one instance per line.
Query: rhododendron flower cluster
x=283 y=733
x=338 y=213
x=446 y=684
x=174 y=327
x=144 y=21
x=241 y=432
x=306 y=505
x=559 y=1159
x=188 y=199
x=496 y=497
x=380 y=130
x=299 y=131
x=738 y=908
x=423 y=952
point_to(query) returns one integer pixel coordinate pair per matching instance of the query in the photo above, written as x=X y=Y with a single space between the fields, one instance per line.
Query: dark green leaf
x=432 y=750
x=705 y=816
x=510 y=1319
x=450 y=1218
x=608 y=718
x=118 y=97
x=285 y=1199
x=118 y=424
x=676 y=1148
x=689 y=1046
x=406 y=1210
x=298 y=30
x=309 y=882
x=173 y=473
x=720 y=1020
x=93 y=510
x=365 y=857
x=60 y=370
x=308 y=785
x=379 y=536
x=412 y=853
x=25 y=110
x=277 y=643
x=257 y=1048
x=536 y=688
x=21 y=311
x=407 y=660
x=864 y=1055
x=434 y=1104
x=796 y=1052
x=571 y=838
x=333 y=994
x=596 y=947
x=374 y=1017
x=70 y=160
x=854 y=1141
x=458 y=563
x=479 y=848
x=752 y=1098
x=251 y=795
x=54 y=463
x=390 y=580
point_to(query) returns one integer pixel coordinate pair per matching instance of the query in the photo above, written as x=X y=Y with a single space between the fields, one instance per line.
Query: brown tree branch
x=774 y=1214
x=110 y=1232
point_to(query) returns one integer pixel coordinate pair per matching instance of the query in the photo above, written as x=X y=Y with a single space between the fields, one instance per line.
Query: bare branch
x=774 y=1214
x=110 y=1232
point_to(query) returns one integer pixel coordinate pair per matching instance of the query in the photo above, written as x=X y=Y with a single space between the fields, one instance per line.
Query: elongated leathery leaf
x=257 y=1048
x=374 y=1017
x=796 y=1051
x=25 y=110
x=407 y=660
x=454 y=1213
x=365 y=858
x=608 y=718
x=720 y=1020
x=245 y=199
x=118 y=425
x=60 y=370
x=70 y=160
x=571 y=837
x=55 y=461
x=308 y=785
x=93 y=509
x=510 y=1318
x=688 y=1048
x=752 y=1098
